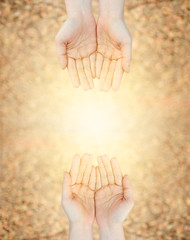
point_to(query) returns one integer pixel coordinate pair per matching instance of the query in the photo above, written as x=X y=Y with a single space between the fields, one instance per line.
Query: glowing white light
x=93 y=119
x=94 y=123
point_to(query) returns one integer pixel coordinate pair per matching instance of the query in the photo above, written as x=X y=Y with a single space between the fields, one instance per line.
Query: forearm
x=111 y=8
x=114 y=232
x=78 y=7
x=79 y=231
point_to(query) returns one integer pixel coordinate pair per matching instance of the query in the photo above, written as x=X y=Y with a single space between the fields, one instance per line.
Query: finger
x=126 y=53
x=82 y=75
x=108 y=81
x=98 y=179
x=104 y=180
x=86 y=64
x=117 y=75
x=116 y=171
x=87 y=172
x=128 y=193
x=75 y=168
x=67 y=192
x=92 y=182
x=99 y=63
x=93 y=64
x=73 y=72
x=104 y=72
x=108 y=168
x=82 y=168
x=61 y=52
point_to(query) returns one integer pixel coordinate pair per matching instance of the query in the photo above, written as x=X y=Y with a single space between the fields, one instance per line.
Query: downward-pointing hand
x=76 y=43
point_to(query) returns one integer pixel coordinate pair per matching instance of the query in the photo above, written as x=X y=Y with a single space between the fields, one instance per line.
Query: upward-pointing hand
x=78 y=197
x=113 y=200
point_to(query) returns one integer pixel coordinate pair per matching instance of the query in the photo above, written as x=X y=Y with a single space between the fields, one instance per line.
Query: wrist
x=75 y=8
x=111 y=9
x=111 y=231
x=77 y=230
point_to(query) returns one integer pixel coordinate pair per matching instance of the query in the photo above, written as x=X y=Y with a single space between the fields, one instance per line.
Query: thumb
x=128 y=194
x=126 y=53
x=66 y=193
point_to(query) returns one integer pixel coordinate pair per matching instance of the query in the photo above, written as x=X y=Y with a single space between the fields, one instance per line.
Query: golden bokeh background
x=44 y=121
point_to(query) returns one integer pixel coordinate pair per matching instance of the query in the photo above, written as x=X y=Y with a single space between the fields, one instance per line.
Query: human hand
x=114 y=44
x=78 y=197
x=113 y=198
x=76 y=43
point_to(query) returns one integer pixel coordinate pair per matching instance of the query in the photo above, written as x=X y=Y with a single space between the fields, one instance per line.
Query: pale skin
x=113 y=199
x=90 y=50
x=78 y=197
x=114 y=44
x=101 y=193
x=76 y=43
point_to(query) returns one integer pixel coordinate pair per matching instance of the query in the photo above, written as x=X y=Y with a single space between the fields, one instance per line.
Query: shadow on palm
x=78 y=190
x=113 y=196
x=76 y=47
x=113 y=53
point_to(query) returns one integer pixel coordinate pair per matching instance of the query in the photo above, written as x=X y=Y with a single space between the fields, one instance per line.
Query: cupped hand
x=113 y=198
x=78 y=191
x=113 y=52
x=76 y=46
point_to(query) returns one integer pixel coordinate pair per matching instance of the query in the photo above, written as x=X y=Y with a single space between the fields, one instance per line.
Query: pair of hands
x=101 y=193
x=91 y=49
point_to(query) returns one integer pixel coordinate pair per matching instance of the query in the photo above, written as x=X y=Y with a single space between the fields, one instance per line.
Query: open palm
x=78 y=190
x=114 y=198
x=76 y=46
x=113 y=52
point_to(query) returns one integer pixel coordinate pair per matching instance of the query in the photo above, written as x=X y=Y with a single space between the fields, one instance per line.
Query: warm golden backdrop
x=44 y=121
